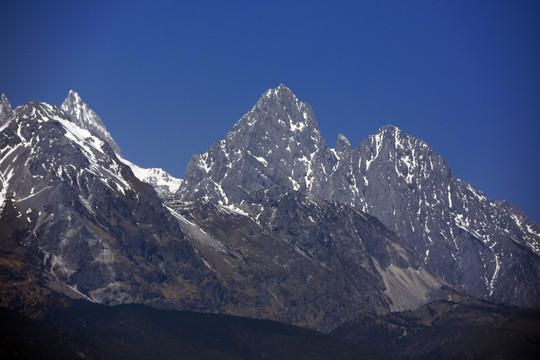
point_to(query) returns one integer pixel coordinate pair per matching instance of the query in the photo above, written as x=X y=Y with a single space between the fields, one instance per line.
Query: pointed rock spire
x=5 y=109
x=81 y=114
x=343 y=144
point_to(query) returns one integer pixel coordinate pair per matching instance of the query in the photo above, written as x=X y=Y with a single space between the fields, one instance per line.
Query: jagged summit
x=279 y=132
x=5 y=108
x=278 y=110
x=4 y=102
x=260 y=226
x=281 y=91
x=83 y=116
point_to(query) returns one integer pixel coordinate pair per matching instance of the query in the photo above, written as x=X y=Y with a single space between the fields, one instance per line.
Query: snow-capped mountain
x=97 y=228
x=269 y=223
x=84 y=117
x=489 y=248
x=165 y=184
x=69 y=199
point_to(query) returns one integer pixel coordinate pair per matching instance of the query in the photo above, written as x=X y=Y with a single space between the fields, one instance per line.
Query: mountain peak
x=74 y=96
x=281 y=94
x=398 y=139
x=389 y=129
x=281 y=90
x=84 y=117
x=76 y=108
x=278 y=112
x=280 y=130
x=4 y=100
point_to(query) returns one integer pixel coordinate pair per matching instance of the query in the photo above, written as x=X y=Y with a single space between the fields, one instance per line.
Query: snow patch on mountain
x=161 y=180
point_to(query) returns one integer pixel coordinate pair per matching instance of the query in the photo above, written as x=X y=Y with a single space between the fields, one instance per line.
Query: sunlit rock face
x=295 y=257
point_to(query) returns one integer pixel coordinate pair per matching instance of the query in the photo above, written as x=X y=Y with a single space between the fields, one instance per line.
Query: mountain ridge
x=272 y=184
x=269 y=223
x=106 y=236
x=391 y=175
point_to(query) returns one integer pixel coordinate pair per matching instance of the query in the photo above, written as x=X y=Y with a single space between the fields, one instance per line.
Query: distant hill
x=92 y=331
x=456 y=327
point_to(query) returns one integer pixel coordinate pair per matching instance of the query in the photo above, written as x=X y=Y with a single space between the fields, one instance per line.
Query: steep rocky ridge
x=269 y=223
x=489 y=247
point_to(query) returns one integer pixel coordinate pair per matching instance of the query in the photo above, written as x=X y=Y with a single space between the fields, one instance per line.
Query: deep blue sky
x=169 y=78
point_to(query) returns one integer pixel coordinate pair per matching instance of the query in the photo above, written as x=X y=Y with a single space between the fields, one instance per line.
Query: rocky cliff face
x=489 y=248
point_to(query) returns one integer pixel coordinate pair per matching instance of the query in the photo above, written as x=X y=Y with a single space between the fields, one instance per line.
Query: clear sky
x=169 y=78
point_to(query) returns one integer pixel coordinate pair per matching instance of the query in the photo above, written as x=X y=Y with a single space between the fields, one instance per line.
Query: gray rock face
x=5 y=109
x=84 y=117
x=489 y=248
x=294 y=257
